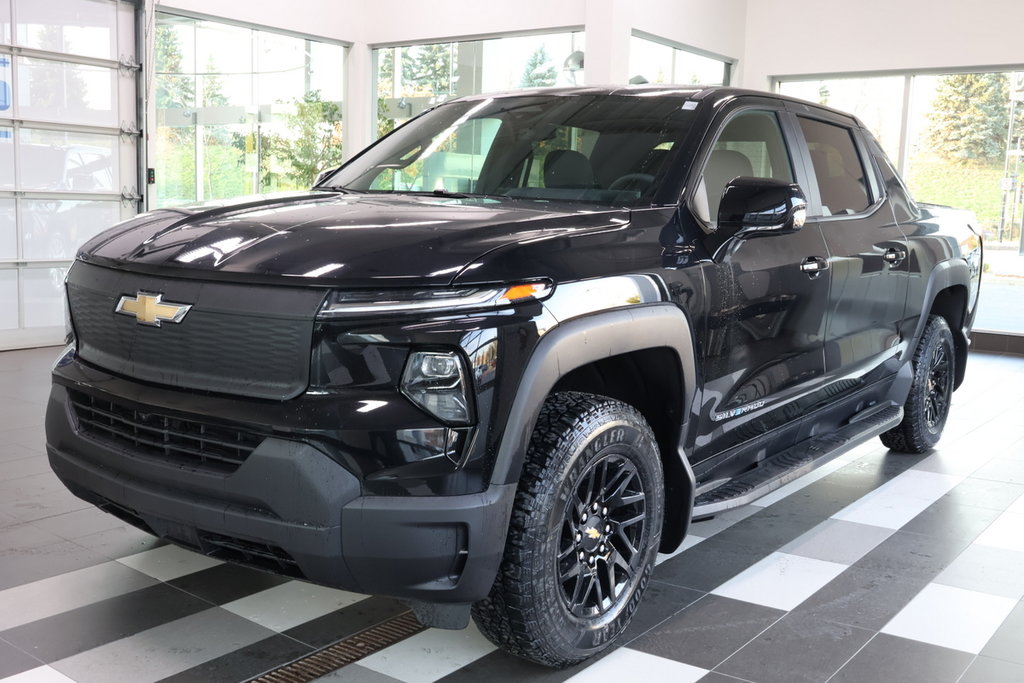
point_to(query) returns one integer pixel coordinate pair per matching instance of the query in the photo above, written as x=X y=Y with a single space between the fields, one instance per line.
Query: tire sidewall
x=622 y=437
x=938 y=334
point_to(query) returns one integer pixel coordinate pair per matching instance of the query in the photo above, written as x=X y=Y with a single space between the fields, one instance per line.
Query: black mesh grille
x=246 y=340
x=185 y=442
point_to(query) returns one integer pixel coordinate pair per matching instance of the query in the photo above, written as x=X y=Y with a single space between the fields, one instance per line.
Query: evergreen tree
x=539 y=71
x=430 y=68
x=971 y=117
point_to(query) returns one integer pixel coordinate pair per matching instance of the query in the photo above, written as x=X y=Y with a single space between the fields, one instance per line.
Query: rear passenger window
x=838 y=167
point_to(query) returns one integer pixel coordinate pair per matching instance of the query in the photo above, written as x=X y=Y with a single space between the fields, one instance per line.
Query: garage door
x=68 y=149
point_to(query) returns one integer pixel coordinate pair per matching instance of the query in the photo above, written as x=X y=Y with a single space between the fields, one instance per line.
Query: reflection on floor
x=880 y=568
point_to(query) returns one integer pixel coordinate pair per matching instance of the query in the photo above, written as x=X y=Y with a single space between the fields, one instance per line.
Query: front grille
x=244 y=340
x=184 y=442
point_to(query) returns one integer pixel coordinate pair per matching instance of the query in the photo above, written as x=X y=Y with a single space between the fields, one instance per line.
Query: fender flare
x=580 y=341
x=946 y=274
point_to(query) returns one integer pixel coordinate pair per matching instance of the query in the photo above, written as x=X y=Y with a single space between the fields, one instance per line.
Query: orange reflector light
x=522 y=291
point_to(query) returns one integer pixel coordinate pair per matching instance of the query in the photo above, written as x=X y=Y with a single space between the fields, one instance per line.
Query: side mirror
x=323 y=175
x=761 y=205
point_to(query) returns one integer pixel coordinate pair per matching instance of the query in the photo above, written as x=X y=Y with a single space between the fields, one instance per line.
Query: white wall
x=321 y=18
x=790 y=37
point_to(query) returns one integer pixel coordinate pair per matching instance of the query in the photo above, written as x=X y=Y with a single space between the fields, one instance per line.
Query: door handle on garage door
x=813 y=265
x=894 y=256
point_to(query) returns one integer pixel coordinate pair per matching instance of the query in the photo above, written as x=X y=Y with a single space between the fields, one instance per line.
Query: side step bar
x=782 y=468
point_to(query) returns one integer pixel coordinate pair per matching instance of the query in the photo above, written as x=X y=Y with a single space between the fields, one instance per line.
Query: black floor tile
x=988 y=670
x=708 y=631
x=865 y=598
x=1008 y=641
x=345 y=622
x=501 y=667
x=661 y=601
x=708 y=564
x=946 y=518
x=243 y=664
x=797 y=648
x=770 y=529
x=715 y=677
x=226 y=582
x=69 y=633
x=985 y=493
x=913 y=555
x=889 y=658
x=14 y=661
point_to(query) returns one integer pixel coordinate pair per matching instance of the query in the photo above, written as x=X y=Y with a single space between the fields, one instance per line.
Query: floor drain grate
x=344 y=652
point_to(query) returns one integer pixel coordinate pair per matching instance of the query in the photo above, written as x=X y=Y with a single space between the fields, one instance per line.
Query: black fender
x=580 y=341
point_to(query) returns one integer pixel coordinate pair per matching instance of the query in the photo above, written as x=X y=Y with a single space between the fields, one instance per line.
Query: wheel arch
x=947 y=296
x=622 y=354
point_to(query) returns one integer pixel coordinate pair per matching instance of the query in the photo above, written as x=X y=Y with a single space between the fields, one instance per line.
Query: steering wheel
x=632 y=181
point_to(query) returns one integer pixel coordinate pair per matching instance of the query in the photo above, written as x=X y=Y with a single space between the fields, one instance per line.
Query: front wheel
x=583 y=536
x=927 y=406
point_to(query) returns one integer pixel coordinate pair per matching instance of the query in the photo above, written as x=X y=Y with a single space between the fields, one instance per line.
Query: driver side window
x=751 y=145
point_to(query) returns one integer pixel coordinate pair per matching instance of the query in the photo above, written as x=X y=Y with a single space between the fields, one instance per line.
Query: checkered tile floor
x=877 y=568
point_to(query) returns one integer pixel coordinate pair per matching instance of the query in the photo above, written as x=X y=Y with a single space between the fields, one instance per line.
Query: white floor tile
x=688 y=542
x=1017 y=507
x=951 y=617
x=987 y=569
x=781 y=581
x=1006 y=532
x=836 y=540
x=48 y=597
x=290 y=604
x=43 y=674
x=900 y=500
x=631 y=665
x=430 y=655
x=168 y=562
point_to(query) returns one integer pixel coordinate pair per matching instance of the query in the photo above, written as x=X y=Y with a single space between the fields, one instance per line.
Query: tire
x=591 y=488
x=927 y=406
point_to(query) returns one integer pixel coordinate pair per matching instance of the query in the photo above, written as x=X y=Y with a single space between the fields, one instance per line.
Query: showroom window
x=957 y=138
x=242 y=110
x=428 y=74
x=68 y=149
x=652 y=61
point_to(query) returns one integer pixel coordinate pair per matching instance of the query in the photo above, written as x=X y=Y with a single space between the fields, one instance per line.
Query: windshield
x=604 y=149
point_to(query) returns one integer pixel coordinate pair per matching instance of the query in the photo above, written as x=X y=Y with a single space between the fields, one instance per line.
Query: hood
x=359 y=240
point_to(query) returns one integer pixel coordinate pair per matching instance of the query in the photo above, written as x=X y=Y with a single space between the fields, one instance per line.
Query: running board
x=782 y=468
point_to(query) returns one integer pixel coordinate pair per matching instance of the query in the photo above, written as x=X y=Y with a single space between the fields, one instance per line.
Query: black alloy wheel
x=602 y=527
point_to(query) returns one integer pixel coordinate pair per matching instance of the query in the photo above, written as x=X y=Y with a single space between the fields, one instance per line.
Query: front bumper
x=291 y=509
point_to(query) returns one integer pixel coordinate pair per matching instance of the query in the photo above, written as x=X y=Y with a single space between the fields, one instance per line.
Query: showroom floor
x=876 y=568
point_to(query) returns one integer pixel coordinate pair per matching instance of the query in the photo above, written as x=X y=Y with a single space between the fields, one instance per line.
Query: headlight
x=436 y=382
x=344 y=303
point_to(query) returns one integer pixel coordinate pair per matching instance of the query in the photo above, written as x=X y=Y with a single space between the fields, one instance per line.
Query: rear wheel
x=583 y=536
x=927 y=406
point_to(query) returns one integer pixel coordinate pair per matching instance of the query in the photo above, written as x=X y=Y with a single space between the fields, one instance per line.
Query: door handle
x=894 y=256
x=813 y=265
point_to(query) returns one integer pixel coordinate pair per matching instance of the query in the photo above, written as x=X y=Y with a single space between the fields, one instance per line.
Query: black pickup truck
x=501 y=358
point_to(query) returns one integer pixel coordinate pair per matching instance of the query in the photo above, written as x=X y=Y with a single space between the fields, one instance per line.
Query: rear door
x=868 y=253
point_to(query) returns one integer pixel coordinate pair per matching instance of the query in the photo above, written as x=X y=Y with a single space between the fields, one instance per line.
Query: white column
x=609 y=27
x=359 y=111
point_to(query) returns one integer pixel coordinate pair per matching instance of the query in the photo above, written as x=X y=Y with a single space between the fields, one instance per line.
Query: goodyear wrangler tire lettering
x=583 y=536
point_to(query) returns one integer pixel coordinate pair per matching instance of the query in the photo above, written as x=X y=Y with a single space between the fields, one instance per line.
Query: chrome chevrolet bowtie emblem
x=148 y=309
